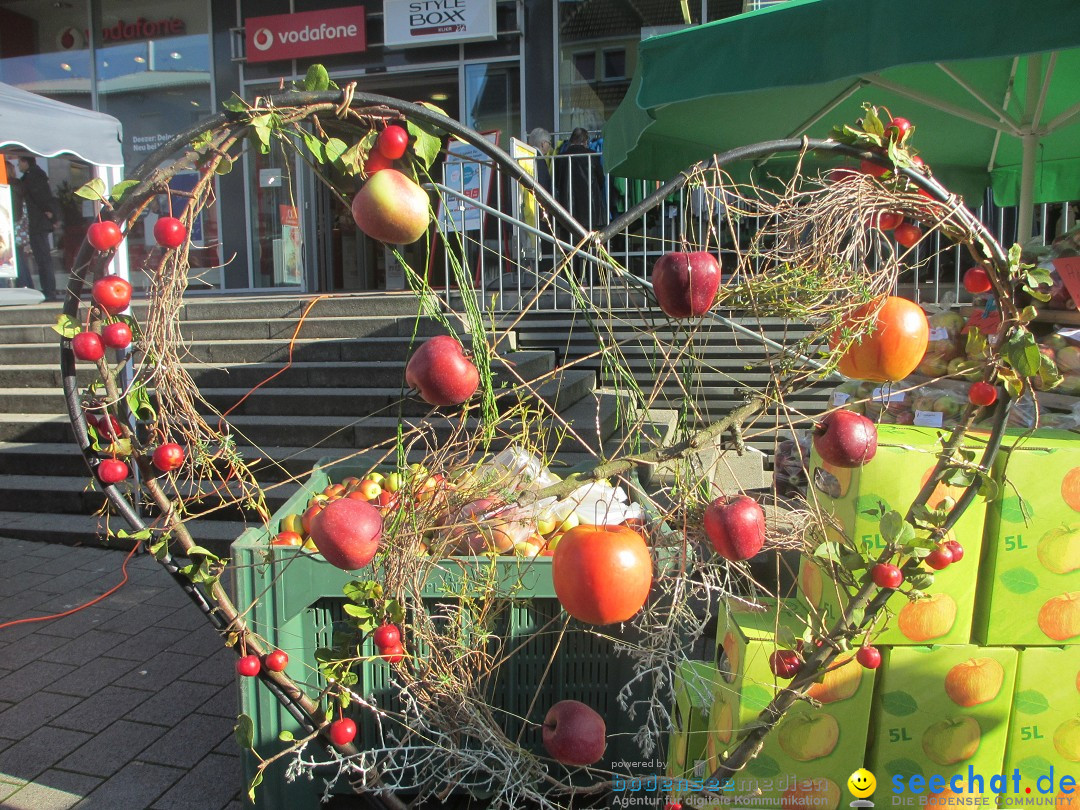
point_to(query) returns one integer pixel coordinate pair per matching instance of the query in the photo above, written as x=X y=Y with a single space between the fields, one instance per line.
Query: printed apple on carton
x=939 y=712
x=858 y=498
x=1029 y=584
x=699 y=718
x=1044 y=729
x=809 y=756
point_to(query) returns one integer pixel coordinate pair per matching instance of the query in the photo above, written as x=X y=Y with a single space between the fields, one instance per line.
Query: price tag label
x=840 y=398
x=929 y=418
x=1072 y=335
x=939 y=333
x=887 y=395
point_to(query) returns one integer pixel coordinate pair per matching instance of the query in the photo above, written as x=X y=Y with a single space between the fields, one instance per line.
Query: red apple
x=441 y=372
x=574 y=734
x=346 y=533
x=392 y=208
x=887 y=220
x=386 y=635
x=869 y=657
x=898 y=129
x=941 y=557
x=785 y=664
x=88 y=346
x=276 y=661
x=343 y=731
x=392 y=142
x=845 y=439
x=169 y=457
x=104 y=235
x=112 y=471
x=976 y=281
x=907 y=234
x=169 y=232
x=287 y=539
x=112 y=294
x=685 y=284
x=735 y=527
x=956 y=550
x=116 y=335
x=982 y=394
x=886 y=575
x=394 y=654
x=248 y=666
x=376 y=162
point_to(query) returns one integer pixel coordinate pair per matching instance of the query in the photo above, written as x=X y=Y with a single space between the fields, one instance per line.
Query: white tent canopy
x=50 y=128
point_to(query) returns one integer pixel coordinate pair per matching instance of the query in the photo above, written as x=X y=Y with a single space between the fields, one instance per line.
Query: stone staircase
x=341 y=393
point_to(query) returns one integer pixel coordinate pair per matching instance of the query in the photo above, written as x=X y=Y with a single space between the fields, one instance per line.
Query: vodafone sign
x=309 y=33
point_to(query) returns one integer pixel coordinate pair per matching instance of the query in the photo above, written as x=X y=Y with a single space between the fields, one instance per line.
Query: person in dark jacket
x=42 y=209
x=579 y=180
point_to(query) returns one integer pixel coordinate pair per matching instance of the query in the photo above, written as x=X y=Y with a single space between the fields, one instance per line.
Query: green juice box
x=857 y=498
x=1043 y=749
x=939 y=725
x=699 y=687
x=1029 y=580
x=808 y=757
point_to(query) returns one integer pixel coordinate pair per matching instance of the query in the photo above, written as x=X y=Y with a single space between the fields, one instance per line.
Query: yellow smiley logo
x=861 y=783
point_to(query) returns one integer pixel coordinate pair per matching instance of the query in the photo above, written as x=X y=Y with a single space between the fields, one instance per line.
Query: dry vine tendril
x=812 y=259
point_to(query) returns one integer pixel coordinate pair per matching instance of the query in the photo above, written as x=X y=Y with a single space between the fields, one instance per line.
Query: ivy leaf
x=244 y=731
x=1019 y=581
x=117 y=192
x=66 y=326
x=898 y=703
x=94 y=190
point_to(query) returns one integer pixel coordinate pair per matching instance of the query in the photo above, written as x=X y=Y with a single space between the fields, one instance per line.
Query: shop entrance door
x=348 y=260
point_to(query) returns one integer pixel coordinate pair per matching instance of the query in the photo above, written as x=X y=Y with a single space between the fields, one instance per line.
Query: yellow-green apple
x=735 y=526
x=975 y=681
x=392 y=208
x=720 y=730
x=807 y=736
x=845 y=439
x=1059 y=549
x=952 y=740
x=369 y=489
x=574 y=734
x=1067 y=739
x=1068 y=359
x=730 y=647
x=1059 y=617
x=816 y=793
x=529 y=547
x=347 y=533
x=927 y=618
x=840 y=681
x=685 y=284
x=441 y=372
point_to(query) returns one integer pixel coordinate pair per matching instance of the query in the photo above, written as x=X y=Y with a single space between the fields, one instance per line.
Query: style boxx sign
x=419 y=22
x=309 y=33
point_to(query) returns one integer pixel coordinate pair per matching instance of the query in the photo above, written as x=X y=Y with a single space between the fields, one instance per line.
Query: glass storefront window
x=46 y=49
x=493 y=99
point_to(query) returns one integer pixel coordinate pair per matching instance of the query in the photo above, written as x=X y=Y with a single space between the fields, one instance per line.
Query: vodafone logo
x=263 y=39
x=70 y=39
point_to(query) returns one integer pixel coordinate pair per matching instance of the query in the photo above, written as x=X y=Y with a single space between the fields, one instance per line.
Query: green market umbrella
x=993 y=87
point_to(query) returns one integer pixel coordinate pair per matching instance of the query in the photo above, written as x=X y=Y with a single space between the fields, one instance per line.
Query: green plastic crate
x=300 y=599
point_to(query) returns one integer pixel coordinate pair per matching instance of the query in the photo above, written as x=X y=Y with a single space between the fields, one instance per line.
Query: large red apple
x=347 y=532
x=686 y=283
x=574 y=734
x=602 y=574
x=392 y=208
x=845 y=439
x=441 y=372
x=735 y=527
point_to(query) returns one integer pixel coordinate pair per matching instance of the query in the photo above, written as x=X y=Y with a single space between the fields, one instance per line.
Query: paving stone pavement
x=126 y=705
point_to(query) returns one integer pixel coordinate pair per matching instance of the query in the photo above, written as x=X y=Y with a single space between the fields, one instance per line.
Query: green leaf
x=352 y=160
x=1031 y=768
x=285 y=735
x=66 y=326
x=890 y=526
x=94 y=190
x=254 y=784
x=235 y=104
x=117 y=192
x=763 y=767
x=204 y=552
x=224 y=166
x=1022 y=353
x=988 y=488
x=1031 y=701
x=138 y=402
x=359 y=611
x=871 y=122
x=756 y=697
x=335 y=148
x=325 y=655
x=829 y=550
x=314 y=145
x=1014 y=259
x=160 y=549
x=316 y=80
x=1019 y=580
x=907 y=534
x=1049 y=376
x=898 y=703
x=921 y=581
x=261 y=127
x=396 y=611
x=244 y=731
x=904 y=767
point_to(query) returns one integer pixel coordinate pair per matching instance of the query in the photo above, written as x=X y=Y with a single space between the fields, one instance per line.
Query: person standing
x=42 y=210
x=579 y=181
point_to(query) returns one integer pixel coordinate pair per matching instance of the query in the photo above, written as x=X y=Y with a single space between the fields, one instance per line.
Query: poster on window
x=525 y=207
x=7 y=235
x=467 y=173
x=292 y=257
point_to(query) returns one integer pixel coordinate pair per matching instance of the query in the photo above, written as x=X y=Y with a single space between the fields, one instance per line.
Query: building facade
x=500 y=66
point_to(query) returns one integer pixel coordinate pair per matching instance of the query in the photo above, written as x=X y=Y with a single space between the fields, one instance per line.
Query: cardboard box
x=1029 y=580
x=701 y=693
x=941 y=712
x=808 y=757
x=1043 y=748
x=857 y=498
